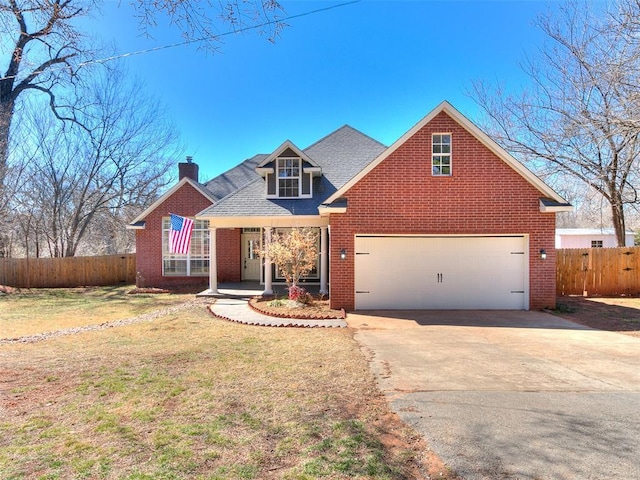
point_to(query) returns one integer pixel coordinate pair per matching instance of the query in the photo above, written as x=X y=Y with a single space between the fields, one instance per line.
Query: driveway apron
x=510 y=395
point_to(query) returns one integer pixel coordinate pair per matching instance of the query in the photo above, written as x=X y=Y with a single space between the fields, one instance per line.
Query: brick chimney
x=188 y=169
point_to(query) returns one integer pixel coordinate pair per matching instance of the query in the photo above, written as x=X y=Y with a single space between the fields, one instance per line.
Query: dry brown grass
x=28 y=312
x=614 y=314
x=189 y=396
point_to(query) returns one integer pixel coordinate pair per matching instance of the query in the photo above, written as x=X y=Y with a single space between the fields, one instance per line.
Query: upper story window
x=289 y=177
x=441 y=154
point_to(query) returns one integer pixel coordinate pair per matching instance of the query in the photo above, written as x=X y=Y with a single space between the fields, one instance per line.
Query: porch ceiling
x=246 y=222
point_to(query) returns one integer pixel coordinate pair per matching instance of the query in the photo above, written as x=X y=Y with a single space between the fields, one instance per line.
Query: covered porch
x=250 y=289
x=261 y=282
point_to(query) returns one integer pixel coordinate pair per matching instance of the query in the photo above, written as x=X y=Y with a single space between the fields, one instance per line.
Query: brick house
x=157 y=267
x=443 y=219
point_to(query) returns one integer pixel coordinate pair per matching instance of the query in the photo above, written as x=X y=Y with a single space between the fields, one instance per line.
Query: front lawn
x=40 y=310
x=188 y=396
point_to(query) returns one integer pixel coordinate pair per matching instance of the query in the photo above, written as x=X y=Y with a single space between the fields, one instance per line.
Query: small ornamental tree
x=295 y=253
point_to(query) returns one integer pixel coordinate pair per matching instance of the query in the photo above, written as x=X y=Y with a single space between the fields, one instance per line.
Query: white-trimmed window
x=441 y=154
x=289 y=177
x=315 y=271
x=193 y=264
x=596 y=244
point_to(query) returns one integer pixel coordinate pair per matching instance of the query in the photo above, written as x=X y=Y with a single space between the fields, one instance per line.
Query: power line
x=196 y=40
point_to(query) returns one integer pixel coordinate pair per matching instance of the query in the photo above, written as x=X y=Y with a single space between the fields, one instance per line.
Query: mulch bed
x=318 y=309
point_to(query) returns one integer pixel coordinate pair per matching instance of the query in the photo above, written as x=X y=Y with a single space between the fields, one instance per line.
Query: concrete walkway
x=238 y=310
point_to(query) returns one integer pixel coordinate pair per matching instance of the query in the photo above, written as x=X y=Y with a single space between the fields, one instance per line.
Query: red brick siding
x=228 y=252
x=186 y=201
x=483 y=196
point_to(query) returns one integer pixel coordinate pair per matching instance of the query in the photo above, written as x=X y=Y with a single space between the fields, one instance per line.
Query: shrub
x=276 y=303
x=299 y=294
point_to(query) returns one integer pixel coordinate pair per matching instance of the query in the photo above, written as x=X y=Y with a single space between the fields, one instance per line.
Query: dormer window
x=289 y=177
x=288 y=173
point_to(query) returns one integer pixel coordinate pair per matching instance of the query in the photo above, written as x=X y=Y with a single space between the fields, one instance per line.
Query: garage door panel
x=440 y=272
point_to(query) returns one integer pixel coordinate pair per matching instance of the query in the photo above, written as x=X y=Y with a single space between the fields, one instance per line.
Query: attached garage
x=441 y=272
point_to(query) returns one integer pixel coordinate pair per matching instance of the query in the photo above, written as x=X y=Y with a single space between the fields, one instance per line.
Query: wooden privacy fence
x=598 y=271
x=68 y=271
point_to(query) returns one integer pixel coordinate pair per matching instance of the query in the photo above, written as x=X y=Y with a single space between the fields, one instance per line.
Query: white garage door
x=413 y=272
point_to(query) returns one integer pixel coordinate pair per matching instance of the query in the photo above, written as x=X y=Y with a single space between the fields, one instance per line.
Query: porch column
x=324 y=260
x=213 y=262
x=268 y=281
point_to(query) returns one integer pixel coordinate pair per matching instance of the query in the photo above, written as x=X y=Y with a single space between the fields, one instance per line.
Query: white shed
x=590 y=238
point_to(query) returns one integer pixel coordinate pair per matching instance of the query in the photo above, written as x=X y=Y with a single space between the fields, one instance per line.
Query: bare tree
x=40 y=48
x=106 y=236
x=16 y=178
x=44 y=52
x=204 y=21
x=80 y=176
x=43 y=49
x=590 y=207
x=295 y=253
x=580 y=114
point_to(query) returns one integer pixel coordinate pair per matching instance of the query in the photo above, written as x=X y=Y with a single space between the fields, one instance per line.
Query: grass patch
x=188 y=396
x=42 y=310
x=563 y=308
x=350 y=450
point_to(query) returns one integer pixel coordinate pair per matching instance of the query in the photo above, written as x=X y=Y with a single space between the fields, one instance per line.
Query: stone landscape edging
x=310 y=316
x=271 y=321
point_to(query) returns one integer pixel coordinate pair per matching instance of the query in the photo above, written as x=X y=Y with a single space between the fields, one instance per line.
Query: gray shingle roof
x=341 y=155
x=235 y=178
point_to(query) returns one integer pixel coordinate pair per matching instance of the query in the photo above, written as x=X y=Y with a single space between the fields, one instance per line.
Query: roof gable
x=287 y=149
x=341 y=155
x=136 y=222
x=470 y=127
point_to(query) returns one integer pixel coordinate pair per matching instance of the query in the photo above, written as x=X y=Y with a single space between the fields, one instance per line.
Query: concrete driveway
x=517 y=395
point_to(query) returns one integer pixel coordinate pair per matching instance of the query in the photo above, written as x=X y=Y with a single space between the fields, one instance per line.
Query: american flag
x=180 y=234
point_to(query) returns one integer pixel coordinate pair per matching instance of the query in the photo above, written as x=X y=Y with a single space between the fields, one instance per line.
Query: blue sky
x=379 y=66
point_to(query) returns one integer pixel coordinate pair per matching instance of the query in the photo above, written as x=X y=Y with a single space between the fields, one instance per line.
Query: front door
x=250 y=256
